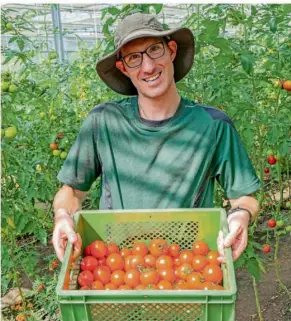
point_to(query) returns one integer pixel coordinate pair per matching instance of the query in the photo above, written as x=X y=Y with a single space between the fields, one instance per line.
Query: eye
x=156 y=47
x=133 y=57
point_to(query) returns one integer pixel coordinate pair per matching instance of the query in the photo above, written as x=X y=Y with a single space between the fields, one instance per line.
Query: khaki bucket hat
x=140 y=25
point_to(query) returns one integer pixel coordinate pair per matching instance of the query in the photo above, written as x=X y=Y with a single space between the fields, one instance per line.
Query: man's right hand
x=64 y=232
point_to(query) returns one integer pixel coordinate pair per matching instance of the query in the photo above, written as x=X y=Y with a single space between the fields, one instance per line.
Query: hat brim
x=183 y=62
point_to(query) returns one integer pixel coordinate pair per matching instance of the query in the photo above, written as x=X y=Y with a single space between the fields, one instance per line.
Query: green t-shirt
x=159 y=164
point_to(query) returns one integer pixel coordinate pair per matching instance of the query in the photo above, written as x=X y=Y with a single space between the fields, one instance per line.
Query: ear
x=120 y=65
x=173 y=47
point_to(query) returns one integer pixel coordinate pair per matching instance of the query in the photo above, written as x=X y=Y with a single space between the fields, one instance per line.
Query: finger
x=58 y=244
x=220 y=247
x=241 y=245
x=71 y=235
x=77 y=247
x=232 y=236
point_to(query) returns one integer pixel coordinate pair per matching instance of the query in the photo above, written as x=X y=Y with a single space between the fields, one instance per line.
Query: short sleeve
x=231 y=164
x=82 y=167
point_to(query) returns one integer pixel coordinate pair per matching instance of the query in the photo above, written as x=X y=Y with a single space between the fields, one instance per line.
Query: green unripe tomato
x=12 y=89
x=288 y=228
x=5 y=86
x=53 y=117
x=57 y=152
x=42 y=114
x=53 y=55
x=9 y=26
x=288 y=204
x=10 y=132
x=280 y=223
x=63 y=155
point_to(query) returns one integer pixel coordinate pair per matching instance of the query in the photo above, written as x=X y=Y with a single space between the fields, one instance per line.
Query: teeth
x=153 y=78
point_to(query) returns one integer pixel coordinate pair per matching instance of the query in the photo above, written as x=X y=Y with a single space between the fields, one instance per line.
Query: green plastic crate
x=182 y=226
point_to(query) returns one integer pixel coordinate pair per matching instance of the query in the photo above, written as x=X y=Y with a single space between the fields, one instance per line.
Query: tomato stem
x=257 y=300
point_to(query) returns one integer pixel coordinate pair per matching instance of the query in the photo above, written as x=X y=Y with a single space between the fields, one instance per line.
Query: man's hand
x=237 y=237
x=64 y=232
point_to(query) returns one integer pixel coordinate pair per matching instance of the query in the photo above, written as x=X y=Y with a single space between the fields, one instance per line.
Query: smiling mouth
x=153 y=78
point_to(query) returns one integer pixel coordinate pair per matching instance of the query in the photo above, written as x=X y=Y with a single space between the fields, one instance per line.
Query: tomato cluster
x=158 y=266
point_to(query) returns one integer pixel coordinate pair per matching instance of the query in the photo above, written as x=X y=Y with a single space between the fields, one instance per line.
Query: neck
x=159 y=108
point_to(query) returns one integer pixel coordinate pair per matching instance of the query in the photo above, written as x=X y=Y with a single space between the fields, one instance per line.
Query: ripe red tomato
x=89 y=263
x=181 y=285
x=186 y=256
x=140 y=287
x=85 y=278
x=85 y=287
x=212 y=273
x=102 y=261
x=266 y=170
x=112 y=248
x=165 y=285
x=150 y=261
x=110 y=286
x=97 y=285
x=271 y=160
x=98 y=249
x=158 y=247
x=139 y=248
x=167 y=274
x=200 y=248
x=134 y=262
x=102 y=273
x=164 y=262
x=212 y=257
x=266 y=248
x=132 y=278
x=117 y=277
x=174 y=250
x=199 y=262
x=184 y=270
x=271 y=223
x=206 y=286
x=125 y=252
x=287 y=85
x=150 y=276
x=54 y=146
x=115 y=262
x=194 y=280
x=87 y=250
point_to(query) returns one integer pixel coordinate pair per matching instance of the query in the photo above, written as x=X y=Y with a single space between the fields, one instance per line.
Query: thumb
x=231 y=236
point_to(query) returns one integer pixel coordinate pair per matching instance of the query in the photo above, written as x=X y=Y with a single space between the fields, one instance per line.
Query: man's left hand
x=237 y=237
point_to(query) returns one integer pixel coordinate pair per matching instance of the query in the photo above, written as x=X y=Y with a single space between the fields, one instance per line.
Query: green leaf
x=211 y=30
x=253 y=10
x=158 y=7
x=113 y=11
x=21 y=222
x=12 y=39
x=254 y=268
x=41 y=234
x=240 y=262
x=247 y=63
x=273 y=25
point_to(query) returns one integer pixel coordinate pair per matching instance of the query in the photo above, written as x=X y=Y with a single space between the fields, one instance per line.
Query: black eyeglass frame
x=122 y=58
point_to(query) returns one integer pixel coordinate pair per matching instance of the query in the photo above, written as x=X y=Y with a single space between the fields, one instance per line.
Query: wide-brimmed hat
x=140 y=25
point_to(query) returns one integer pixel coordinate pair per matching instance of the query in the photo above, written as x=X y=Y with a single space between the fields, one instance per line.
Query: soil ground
x=275 y=303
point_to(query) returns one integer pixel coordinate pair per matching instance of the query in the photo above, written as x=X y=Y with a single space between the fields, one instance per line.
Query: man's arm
x=238 y=223
x=66 y=203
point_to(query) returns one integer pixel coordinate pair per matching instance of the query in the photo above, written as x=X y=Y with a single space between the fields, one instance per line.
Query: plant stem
x=257 y=300
x=281 y=284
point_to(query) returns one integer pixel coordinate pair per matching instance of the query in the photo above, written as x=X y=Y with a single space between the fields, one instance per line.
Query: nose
x=148 y=64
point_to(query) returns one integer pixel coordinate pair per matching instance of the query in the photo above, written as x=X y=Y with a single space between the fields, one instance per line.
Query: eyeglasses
x=135 y=59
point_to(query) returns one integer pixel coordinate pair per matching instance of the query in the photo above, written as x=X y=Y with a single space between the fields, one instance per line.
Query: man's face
x=154 y=77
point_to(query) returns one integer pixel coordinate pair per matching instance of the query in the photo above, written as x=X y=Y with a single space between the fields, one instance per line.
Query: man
x=155 y=149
